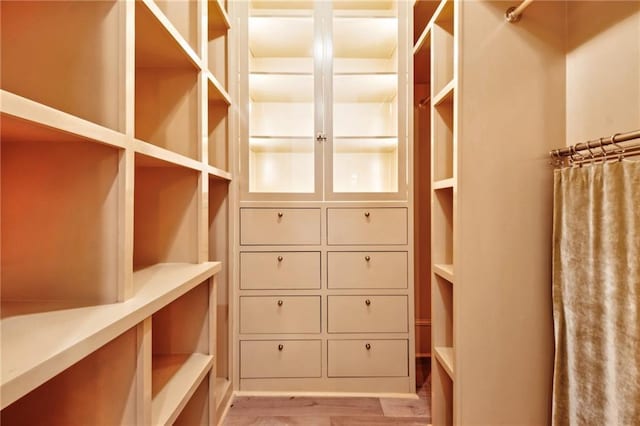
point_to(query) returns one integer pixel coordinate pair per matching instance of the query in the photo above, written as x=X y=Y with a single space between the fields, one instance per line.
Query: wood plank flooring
x=331 y=411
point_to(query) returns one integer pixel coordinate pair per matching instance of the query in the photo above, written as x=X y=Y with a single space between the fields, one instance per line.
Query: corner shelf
x=179 y=376
x=444 y=355
x=32 y=354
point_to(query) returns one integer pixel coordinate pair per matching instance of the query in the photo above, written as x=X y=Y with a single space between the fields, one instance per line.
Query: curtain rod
x=596 y=143
x=514 y=14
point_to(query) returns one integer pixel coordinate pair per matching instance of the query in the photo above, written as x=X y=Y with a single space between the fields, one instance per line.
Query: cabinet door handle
x=280 y=302
x=367 y=214
x=280 y=258
x=280 y=347
x=367 y=302
x=368 y=346
x=280 y=214
x=367 y=258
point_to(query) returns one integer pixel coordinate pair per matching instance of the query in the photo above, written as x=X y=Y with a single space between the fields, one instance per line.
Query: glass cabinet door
x=282 y=149
x=365 y=154
x=324 y=100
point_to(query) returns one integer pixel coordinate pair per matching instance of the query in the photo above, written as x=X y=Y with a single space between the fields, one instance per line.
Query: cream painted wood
x=367 y=358
x=279 y=270
x=367 y=314
x=444 y=356
x=175 y=379
x=330 y=386
x=279 y=226
x=284 y=314
x=367 y=226
x=355 y=270
x=280 y=358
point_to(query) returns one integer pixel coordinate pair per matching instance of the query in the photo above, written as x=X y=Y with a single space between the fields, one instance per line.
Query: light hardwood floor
x=332 y=411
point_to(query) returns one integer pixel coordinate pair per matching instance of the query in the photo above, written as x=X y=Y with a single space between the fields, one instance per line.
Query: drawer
x=367 y=314
x=280 y=358
x=279 y=226
x=367 y=226
x=367 y=269
x=368 y=358
x=281 y=314
x=279 y=270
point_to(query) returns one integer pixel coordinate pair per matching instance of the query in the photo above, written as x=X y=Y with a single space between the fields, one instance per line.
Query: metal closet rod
x=596 y=143
x=513 y=14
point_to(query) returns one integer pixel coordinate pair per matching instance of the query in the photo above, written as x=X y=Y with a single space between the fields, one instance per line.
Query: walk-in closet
x=319 y=212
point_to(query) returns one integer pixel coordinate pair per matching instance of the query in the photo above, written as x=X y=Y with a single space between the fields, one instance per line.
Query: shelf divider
x=443 y=184
x=446 y=94
x=175 y=378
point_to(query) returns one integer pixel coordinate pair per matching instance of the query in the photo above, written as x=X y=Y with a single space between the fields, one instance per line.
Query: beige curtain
x=596 y=294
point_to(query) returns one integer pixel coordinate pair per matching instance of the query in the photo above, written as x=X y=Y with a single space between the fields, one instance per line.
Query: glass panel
x=365 y=104
x=281 y=91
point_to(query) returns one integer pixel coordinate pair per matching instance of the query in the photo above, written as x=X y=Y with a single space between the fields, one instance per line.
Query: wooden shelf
x=216 y=92
x=444 y=355
x=174 y=380
x=445 y=95
x=32 y=354
x=218 y=16
x=444 y=270
x=423 y=43
x=281 y=88
x=219 y=174
x=182 y=20
x=150 y=155
x=365 y=145
x=448 y=183
x=24 y=119
x=281 y=37
x=66 y=55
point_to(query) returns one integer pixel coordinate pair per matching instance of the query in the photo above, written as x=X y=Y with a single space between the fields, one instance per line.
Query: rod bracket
x=512 y=17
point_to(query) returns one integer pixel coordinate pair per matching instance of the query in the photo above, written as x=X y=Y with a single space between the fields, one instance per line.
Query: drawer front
x=281 y=314
x=279 y=226
x=367 y=314
x=368 y=358
x=367 y=269
x=367 y=226
x=280 y=358
x=279 y=270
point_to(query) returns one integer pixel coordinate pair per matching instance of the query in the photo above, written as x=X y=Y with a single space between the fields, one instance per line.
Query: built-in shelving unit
x=109 y=165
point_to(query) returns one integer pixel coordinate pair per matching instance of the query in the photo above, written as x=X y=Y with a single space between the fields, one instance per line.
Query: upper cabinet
x=321 y=84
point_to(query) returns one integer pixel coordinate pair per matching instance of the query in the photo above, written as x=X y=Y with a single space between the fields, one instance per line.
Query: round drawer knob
x=280 y=258
x=368 y=346
x=280 y=302
x=280 y=214
x=280 y=347
x=367 y=214
x=367 y=302
x=367 y=258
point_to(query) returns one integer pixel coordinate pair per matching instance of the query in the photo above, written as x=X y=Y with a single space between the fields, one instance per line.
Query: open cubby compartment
x=281 y=42
x=443 y=141
x=166 y=204
x=217 y=50
x=442 y=227
x=423 y=11
x=217 y=131
x=441 y=395
x=68 y=55
x=101 y=389
x=184 y=15
x=198 y=410
x=61 y=217
x=219 y=225
x=166 y=89
x=181 y=352
x=365 y=165
x=443 y=39
x=365 y=44
x=281 y=164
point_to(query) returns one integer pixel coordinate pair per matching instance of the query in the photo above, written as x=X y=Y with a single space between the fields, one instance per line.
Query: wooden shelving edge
x=445 y=94
x=443 y=184
x=219 y=93
x=444 y=355
x=187 y=372
x=219 y=14
x=32 y=354
x=444 y=270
